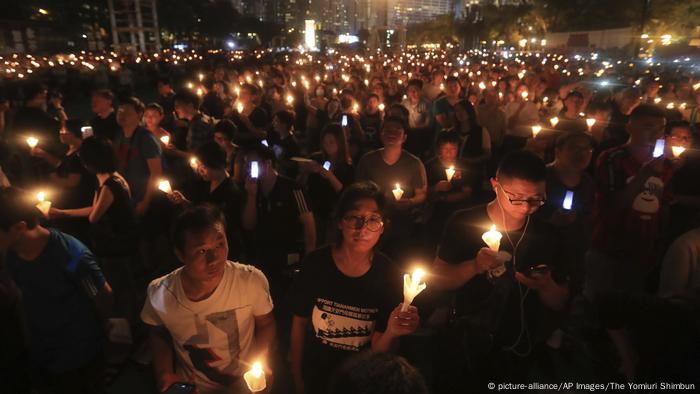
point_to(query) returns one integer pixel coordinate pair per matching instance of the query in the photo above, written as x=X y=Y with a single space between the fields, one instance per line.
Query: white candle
x=32 y=142
x=554 y=121
x=657 y=100
x=677 y=151
x=590 y=122
x=165 y=139
x=492 y=238
x=536 y=130
x=239 y=107
x=164 y=186
x=43 y=205
x=524 y=95
x=398 y=193
x=194 y=163
x=290 y=99
x=450 y=172
x=201 y=77
x=381 y=107
x=255 y=378
x=412 y=286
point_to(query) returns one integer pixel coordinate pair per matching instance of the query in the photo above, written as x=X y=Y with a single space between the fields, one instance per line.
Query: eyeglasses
x=518 y=202
x=373 y=223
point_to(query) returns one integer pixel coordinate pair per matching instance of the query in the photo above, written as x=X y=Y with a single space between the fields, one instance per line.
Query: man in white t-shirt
x=212 y=318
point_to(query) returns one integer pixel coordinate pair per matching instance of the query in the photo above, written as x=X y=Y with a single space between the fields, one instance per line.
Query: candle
x=524 y=95
x=255 y=378
x=43 y=205
x=194 y=163
x=201 y=77
x=677 y=151
x=200 y=92
x=492 y=238
x=165 y=139
x=536 y=130
x=381 y=107
x=450 y=172
x=670 y=106
x=554 y=121
x=290 y=99
x=239 y=107
x=590 y=122
x=32 y=142
x=412 y=287
x=482 y=85
x=657 y=100
x=164 y=186
x=398 y=193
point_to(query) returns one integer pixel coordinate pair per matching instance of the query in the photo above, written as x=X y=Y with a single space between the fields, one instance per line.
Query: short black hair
x=134 y=103
x=647 y=110
x=155 y=107
x=263 y=152
x=377 y=373
x=566 y=138
x=415 y=82
x=362 y=190
x=677 y=124
x=452 y=78
x=227 y=128
x=104 y=93
x=32 y=89
x=523 y=165
x=286 y=117
x=395 y=119
x=17 y=206
x=195 y=219
x=447 y=137
x=187 y=97
x=372 y=95
x=97 y=155
x=211 y=155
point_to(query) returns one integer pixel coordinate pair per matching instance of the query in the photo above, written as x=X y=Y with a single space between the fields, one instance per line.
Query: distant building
x=408 y=12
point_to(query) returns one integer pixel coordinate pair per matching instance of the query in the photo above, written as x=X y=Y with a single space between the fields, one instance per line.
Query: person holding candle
x=211 y=319
x=371 y=121
x=224 y=132
x=419 y=131
x=387 y=167
x=348 y=293
x=685 y=191
x=105 y=121
x=65 y=299
x=498 y=312
x=476 y=146
x=570 y=119
x=253 y=121
x=444 y=107
x=447 y=196
x=284 y=143
x=153 y=116
x=112 y=220
x=521 y=114
x=197 y=128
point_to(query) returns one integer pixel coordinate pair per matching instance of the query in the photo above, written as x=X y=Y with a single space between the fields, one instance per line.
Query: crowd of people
x=266 y=210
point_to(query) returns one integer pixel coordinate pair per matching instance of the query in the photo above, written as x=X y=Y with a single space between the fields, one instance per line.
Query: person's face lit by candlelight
x=362 y=226
x=575 y=153
x=680 y=136
x=152 y=119
x=204 y=253
x=519 y=198
x=447 y=153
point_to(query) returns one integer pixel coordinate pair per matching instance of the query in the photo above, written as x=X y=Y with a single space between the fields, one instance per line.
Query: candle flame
x=32 y=142
x=257 y=369
x=41 y=196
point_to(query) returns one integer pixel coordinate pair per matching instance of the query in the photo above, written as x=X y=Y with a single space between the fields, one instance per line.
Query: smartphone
x=327 y=165
x=344 y=121
x=659 y=148
x=264 y=142
x=180 y=388
x=541 y=269
x=86 y=131
x=568 y=200
x=254 y=170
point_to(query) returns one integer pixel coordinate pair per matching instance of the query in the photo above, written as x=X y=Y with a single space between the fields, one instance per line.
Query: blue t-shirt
x=132 y=155
x=64 y=331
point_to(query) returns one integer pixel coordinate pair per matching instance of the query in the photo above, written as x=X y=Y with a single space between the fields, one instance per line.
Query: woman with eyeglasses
x=505 y=305
x=347 y=296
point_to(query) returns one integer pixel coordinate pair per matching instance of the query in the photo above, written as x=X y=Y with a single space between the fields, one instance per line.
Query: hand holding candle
x=255 y=378
x=412 y=286
x=165 y=139
x=554 y=121
x=43 y=205
x=492 y=238
x=398 y=192
x=677 y=151
x=536 y=130
x=590 y=122
x=450 y=172
x=164 y=186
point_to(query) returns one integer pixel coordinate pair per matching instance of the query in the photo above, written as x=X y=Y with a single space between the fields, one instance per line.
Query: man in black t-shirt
x=500 y=314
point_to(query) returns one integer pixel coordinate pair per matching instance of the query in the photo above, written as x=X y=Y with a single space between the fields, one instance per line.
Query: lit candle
x=554 y=121
x=657 y=100
x=200 y=92
x=412 y=286
x=255 y=378
x=482 y=85
x=677 y=151
x=290 y=99
x=239 y=107
x=524 y=95
x=165 y=139
x=536 y=130
x=164 y=186
x=450 y=172
x=590 y=122
x=194 y=163
x=201 y=77
x=492 y=238
x=32 y=142
x=670 y=106
x=398 y=192
x=381 y=107
x=43 y=205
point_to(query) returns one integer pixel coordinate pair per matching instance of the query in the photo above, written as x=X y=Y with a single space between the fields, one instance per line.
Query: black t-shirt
x=494 y=306
x=371 y=125
x=107 y=127
x=81 y=195
x=321 y=193
x=279 y=232
x=258 y=117
x=284 y=150
x=213 y=105
x=343 y=312
x=116 y=234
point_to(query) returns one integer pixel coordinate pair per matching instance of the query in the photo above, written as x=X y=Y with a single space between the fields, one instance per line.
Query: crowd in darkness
x=268 y=209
